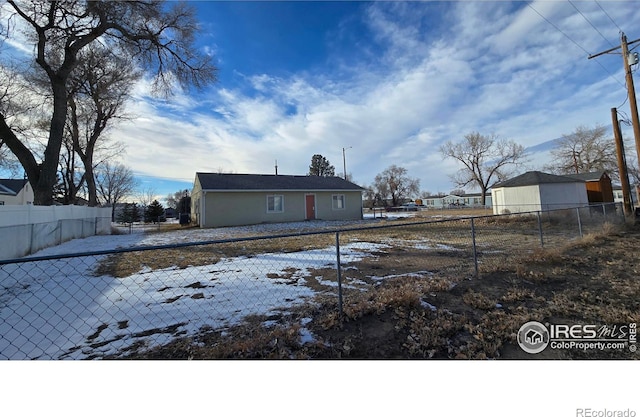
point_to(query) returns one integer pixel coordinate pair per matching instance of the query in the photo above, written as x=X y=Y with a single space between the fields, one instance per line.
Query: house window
x=338 y=202
x=275 y=204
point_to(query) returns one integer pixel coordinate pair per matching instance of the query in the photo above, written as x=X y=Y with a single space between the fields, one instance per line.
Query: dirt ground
x=594 y=280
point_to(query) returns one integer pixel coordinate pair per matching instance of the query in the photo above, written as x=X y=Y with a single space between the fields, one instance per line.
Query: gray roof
x=588 y=176
x=535 y=178
x=255 y=182
x=11 y=187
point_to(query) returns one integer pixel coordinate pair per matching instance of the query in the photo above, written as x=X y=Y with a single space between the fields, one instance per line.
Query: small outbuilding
x=538 y=191
x=598 y=184
x=242 y=199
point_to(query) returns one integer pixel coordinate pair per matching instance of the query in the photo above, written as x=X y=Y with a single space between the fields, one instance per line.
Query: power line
x=605 y=12
x=558 y=29
x=576 y=44
x=589 y=22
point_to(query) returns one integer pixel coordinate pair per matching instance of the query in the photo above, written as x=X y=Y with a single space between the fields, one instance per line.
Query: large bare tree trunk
x=158 y=37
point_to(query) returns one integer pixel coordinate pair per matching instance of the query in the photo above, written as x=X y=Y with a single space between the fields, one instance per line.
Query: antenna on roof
x=276 y=167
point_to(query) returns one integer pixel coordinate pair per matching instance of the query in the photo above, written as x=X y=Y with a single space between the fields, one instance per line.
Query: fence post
x=579 y=222
x=540 y=229
x=31 y=238
x=475 y=252
x=339 y=273
x=604 y=211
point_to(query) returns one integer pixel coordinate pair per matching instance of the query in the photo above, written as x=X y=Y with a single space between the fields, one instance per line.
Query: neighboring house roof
x=254 y=182
x=588 y=176
x=535 y=178
x=11 y=187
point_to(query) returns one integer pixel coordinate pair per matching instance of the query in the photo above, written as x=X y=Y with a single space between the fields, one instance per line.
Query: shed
x=243 y=199
x=538 y=191
x=599 y=188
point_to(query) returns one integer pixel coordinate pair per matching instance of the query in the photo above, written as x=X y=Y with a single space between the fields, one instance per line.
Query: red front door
x=311 y=206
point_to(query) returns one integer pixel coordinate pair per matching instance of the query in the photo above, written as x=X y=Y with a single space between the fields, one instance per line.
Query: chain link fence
x=114 y=303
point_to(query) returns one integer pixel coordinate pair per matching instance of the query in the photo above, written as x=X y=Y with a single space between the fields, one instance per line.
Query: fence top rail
x=266 y=237
x=211 y=242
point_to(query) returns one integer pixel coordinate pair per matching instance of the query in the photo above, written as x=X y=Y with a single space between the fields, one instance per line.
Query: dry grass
x=444 y=313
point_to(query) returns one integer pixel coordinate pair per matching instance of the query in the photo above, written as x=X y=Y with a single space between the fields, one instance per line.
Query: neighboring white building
x=617 y=195
x=15 y=192
x=456 y=201
x=538 y=191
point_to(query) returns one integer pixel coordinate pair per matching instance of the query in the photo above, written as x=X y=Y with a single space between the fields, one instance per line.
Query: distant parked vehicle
x=410 y=207
x=404 y=207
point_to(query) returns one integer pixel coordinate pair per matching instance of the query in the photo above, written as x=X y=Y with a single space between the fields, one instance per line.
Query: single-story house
x=242 y=199
x=599 y=189
x=538 y=191
x=15 y=192
x=452 y=201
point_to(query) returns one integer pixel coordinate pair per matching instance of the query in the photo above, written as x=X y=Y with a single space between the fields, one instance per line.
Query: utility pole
x=632 y=94
x=344 y=162
x=624 y=45
x=622 y=164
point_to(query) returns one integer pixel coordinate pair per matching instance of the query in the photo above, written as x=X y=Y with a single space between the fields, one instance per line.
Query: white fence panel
x=25 y=229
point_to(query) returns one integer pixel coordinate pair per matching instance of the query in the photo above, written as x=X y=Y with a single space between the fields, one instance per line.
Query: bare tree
x=584 y=150
x=98 y=90
x=71 y=179
x=145 y=195
x=394 y=183
x=13 y=100
x=485 y=160
x=114 y=182
x=173 y=200
x=156 y=36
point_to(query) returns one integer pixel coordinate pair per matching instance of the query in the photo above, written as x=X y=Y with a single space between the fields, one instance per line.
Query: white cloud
x=492 y=67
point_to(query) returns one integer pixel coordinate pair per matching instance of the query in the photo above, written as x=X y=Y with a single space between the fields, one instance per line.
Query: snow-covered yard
x=61 y=309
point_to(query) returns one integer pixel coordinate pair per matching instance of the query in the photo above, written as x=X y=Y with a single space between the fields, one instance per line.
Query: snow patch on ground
x=59 y=309
x=423 y=244
x=416 y=274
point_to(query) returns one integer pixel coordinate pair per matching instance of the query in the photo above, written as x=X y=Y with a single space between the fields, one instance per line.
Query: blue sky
x=388 y=81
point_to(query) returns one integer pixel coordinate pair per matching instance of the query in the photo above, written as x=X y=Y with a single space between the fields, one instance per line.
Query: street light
x=344 y=161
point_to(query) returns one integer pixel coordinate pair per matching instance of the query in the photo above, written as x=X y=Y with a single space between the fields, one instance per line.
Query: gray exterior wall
x=559 y=196
x=540 y=197
x=238 y=208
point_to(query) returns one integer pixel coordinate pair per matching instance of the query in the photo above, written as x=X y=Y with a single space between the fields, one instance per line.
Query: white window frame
x=335 y=198
x=275 y=209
